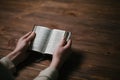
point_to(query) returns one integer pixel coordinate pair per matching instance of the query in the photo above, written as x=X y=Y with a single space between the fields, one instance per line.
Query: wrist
x=56 y=63
x=13 y=56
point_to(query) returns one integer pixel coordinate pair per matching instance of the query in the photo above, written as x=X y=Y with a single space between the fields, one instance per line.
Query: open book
x=47 y=40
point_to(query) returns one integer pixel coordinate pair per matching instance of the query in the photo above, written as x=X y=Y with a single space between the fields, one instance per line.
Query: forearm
x=14 y=57
x=50 y=73
x=56 y=63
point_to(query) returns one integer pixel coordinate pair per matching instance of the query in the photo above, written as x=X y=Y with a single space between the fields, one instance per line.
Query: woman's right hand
x=61 y=53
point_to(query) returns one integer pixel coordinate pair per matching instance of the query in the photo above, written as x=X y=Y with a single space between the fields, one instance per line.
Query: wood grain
x=95 y=27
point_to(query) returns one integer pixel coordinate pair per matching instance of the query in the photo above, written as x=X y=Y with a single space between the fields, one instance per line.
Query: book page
x=55 y=38
x=41 y=38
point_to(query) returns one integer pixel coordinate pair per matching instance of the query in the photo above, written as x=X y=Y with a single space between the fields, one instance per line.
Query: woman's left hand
x=18 y=54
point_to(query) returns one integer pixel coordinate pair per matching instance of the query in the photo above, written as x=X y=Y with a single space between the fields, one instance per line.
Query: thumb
x=62 y=42
x=69 y=43
x=31 y=36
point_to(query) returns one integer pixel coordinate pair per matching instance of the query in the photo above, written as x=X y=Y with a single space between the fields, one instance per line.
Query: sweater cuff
x=50 y=73
x=8 y=64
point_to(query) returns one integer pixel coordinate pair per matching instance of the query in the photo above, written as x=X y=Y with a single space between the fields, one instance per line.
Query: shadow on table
x=73 y=63
x=34 y=57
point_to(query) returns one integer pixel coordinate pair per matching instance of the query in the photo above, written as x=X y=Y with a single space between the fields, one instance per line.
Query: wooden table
x=95 y=27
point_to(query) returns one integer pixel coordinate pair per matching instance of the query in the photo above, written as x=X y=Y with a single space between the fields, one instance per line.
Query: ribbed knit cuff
x=8 y=64
x=49 y=73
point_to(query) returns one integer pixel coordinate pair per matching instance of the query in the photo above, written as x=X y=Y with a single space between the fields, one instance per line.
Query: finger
x=31 y=36
x=69 y=43
x=26 y=35
x=62 y=42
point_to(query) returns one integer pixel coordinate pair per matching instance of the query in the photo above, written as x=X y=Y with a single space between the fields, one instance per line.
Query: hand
x=61 y=54
x=18 y=54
